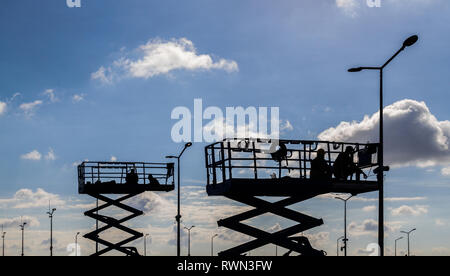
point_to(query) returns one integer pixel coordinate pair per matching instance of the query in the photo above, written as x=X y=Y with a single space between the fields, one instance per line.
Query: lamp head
x=356 y=69
x=170 y=156
x=187 y=145
x=410 y=41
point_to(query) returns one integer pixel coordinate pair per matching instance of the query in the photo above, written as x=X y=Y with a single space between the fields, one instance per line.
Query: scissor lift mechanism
x=278 y=168
x=99 y=178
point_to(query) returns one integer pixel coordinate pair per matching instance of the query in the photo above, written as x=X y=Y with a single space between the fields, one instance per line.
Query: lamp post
x=50 y=215
x=145 y=244
x=212 y=244
x=345 y=222
x=408 y=42
x=76 y=244
x=178 y=217
x=407 y=234
x=22 y=227
x=337 y=245
x=395 y=246
x=189 y=238
x=3 y=242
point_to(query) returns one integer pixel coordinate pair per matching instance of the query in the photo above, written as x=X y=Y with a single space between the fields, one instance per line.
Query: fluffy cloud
x=51 y=95
x=413 y=136
x=409 y=210
x=50 y=155
x=369 y=227
x=29 y=108
x=2 y=108
x=15 y=222
x=26 y=198
x=369 y=208
x=77 y=98
x=445 y=171
x=33 y=155
x=150 y=202
x=159 y=57
x=349 y=7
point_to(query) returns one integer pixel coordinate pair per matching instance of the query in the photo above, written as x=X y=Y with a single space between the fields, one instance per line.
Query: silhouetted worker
x=320 y=170
x=132 y=177
x=153 y=181
x=344 y=166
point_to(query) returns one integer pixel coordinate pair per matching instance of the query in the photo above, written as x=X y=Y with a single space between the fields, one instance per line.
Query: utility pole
x=3 y=242
x=189 y=238
x=22 y=227
x=50 y=215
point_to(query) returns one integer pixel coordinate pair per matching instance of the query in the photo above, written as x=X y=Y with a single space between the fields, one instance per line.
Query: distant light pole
x=145 y=244
x=212 y=244
x=3 y=242
x=22 y=227
x=76 y=244
x=50 y=215
x=408 y=42
x=178 y=217
x=395 y=247
x=345 y=222
x=407 y=234
x=189 y=238
x=337 y=245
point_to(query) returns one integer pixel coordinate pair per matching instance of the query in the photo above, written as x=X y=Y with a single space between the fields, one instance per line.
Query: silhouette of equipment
x=243 y=170
x=127 y=179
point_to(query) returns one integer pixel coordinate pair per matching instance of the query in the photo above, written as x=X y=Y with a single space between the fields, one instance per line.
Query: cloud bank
x=413 y=135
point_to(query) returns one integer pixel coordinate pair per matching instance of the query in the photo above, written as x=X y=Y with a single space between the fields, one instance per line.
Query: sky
x=100 y=82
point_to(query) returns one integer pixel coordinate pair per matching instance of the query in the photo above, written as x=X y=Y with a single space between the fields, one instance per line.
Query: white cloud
x=445 y=171
x=26 y=198
x=33 y=155
x=77 y=98
x=410 y=210
x=15 y=222
x=2 y=108
x=51 y=95
x=413 y=136
x=50 y=155
x=440 y=222
x=159 y=57
x=441 y=251
x=369 y=227
x=113 y=158
x=349 y=7
x=29 y=108
x=369 y=208
x=150 y=202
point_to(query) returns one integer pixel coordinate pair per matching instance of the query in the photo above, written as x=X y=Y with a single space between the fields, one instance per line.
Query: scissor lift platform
x=246 y=169
x=128 y=179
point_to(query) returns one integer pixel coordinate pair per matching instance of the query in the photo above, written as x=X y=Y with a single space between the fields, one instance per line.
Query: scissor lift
x=98 y=179
x=246 y=169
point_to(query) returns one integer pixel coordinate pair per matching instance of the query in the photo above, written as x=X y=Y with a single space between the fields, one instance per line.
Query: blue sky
x=288 y=54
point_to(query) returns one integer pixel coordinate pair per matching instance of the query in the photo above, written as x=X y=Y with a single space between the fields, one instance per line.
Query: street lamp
x=178 y=217
x=50 y=215
x=212 y=244
x=407 y=233
x=145 y=244
x=337 y=245
x=395 y=247
x=22 y=227
x=3 y=242
x=345 y=222
x=189 y=238
x=408 y=42
x=76 y=244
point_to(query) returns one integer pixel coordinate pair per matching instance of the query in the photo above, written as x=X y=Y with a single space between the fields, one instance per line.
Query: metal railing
x=265 y=158
x=116 y=172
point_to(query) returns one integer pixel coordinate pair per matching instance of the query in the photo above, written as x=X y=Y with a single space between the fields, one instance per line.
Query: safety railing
x=126 y=173
x=265 y=158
